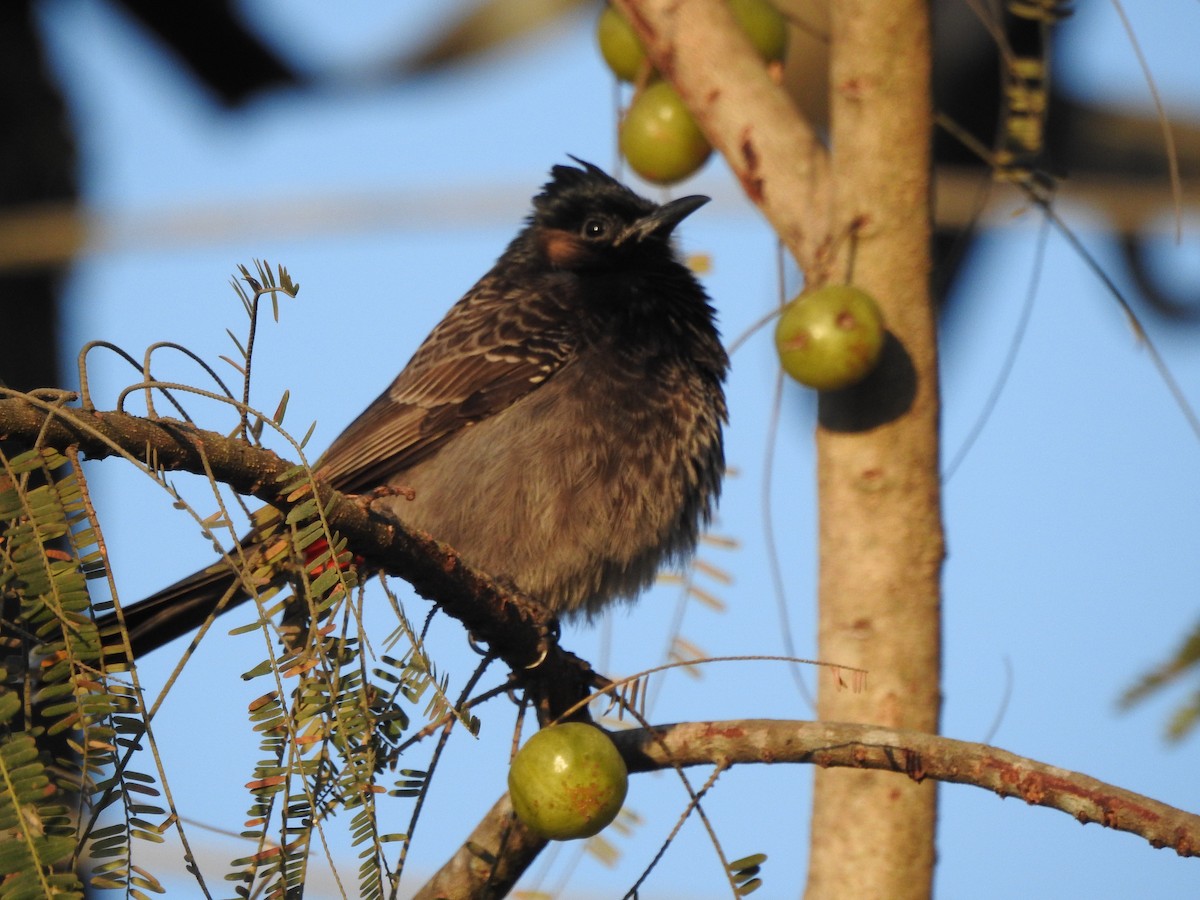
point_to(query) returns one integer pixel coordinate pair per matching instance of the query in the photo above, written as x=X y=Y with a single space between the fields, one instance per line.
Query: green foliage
x=68 y=726
x=326 y=747
x=1184 y=661
x=744 y=873
x=63 y=719
x=333 y=721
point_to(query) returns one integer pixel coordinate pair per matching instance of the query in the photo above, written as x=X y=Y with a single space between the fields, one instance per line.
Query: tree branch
x=490 y=861
x=919 y=756
x=515 y=627
x=499 y=837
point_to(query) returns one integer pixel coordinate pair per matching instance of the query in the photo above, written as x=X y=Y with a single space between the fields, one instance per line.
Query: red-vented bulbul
x=560 y=427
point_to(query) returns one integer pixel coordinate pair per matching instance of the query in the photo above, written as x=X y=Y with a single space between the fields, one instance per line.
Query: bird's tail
x=266 y=558
x=172 y=612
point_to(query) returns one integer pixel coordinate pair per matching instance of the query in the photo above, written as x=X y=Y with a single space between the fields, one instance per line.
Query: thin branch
x=918 y=756
x=490 y=861
x=516 y=627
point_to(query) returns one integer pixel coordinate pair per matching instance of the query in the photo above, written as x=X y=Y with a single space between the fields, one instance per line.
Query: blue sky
x=1071 y=524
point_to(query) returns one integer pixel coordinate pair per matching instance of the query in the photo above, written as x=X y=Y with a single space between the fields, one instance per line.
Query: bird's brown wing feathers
x=478 y=361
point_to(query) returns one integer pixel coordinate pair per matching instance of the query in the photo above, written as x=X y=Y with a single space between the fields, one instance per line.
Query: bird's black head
x=584 y=218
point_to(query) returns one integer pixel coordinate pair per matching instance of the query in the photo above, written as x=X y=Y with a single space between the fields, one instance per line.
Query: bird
x=561 y=427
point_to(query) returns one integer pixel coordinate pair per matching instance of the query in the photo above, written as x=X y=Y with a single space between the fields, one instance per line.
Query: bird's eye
x=595 y=228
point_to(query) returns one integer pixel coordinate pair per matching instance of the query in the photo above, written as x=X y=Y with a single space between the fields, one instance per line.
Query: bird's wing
x=489 y=350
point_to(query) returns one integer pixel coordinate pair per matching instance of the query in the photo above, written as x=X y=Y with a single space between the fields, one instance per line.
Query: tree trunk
x=881 y=543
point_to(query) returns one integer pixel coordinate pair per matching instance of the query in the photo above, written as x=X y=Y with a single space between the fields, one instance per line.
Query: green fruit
x=619 y=45
x=622 y=50
x=659 y=137
x=568 y=781
x=831 y=337
x=764 y=25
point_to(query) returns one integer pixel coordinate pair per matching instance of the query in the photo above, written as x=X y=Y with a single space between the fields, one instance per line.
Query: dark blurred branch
x=488 y=26
x=37 y=167
x=220 y=51
x=44 y=234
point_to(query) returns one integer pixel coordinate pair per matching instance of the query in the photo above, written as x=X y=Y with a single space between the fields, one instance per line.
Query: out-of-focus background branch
x=1115 y=159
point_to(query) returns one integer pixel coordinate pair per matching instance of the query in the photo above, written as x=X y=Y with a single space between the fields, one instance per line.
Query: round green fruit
x=831 y=337
x=619 y=45
x=568 y=781
x=659 y=137
x=764 y=25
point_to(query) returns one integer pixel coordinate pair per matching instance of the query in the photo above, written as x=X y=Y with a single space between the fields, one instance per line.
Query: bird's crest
x=570 y=187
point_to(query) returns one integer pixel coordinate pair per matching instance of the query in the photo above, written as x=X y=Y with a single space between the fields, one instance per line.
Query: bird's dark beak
x=663 y=220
